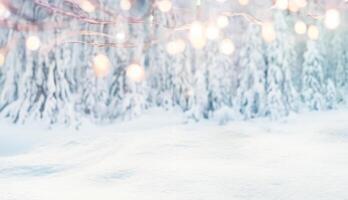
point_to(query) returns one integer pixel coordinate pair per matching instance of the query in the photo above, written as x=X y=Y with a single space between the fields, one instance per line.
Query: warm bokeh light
x=293 y=7
x=300 y=27
x=212 y=32
x=87 y=6
x=301 y=3
x=313 y=32
x=33 y=43
x=282 y=4
x=135 y=72
x=121 y=36
x=222 y=21
x=125 y=4
x=2 y=59
x=164 y=5
x=175 y=47
x=101 y=65
x=197 y=35
x=243 y=2
x=268 y=32
x=227 y=47
x=4 y=12
x=332 y=19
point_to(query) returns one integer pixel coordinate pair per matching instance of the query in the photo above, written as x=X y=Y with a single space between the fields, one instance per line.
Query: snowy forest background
x=292 y=74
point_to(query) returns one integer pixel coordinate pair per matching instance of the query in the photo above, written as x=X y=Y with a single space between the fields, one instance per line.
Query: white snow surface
x=160 y=157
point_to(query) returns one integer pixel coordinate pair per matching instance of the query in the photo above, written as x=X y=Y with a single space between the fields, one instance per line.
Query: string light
x=197 y=35
x=86 y=6
x=175 y=47
x=164 y=5
x=313 y=32
x=212 y=32
x=135 y=72
x=222 y=21
x=300 y=27
x=268 y=32
x=332 y=19
x=282 y=4
x=125 y=5
x=243 y=2
x=33 y=43
x=227 y=47
x=101 y=65
x=2 y=59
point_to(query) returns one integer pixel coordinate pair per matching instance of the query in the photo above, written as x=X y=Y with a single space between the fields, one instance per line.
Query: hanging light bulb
x=175 y=47
x=301 y=3
x=243 y=2
x=282 y=4
x=222 y=21
x=293 y=7
x=313 y=32
x=101 y=65
x=33 y=43
x=86 y=6
x=164 y=5
x=125 y=4
x=300 y=27
x=332 y=19
x=121 y=36
x=197 y=35
x=2 y=59
x=135 y=72
x=268 y=32
x=4 y=12
x=227 y=47
x=212 y=32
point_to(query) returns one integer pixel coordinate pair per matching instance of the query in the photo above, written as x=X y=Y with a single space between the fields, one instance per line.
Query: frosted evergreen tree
x=282 y=97
x=313 y=83
x=251 y=96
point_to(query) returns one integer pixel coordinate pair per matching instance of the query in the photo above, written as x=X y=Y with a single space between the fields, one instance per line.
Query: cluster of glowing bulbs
x=312 y=30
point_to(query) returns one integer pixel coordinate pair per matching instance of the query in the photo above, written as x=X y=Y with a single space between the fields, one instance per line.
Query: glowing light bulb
x=197 y=35
x=301 y=3
x=121 y=36
x=4 y=12
x=164 y=5
x=212 y=32
x=2 y=59
x=332 y=19
x=33 y=43
x=222 y=21
x=268 y=32
x=175 y=47
x=227 y=47
x=293 y=7
x=282 y=4
x=243 y=2
x=86 y=6
x=101 y=65
x=300 y=27
x=125 y=4
x=135 y=72
x=313 y=32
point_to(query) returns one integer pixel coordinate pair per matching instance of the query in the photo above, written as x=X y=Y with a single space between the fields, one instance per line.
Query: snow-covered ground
x=159 y=157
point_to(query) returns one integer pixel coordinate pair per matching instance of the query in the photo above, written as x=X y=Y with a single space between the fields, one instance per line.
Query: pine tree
x=251 y=96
